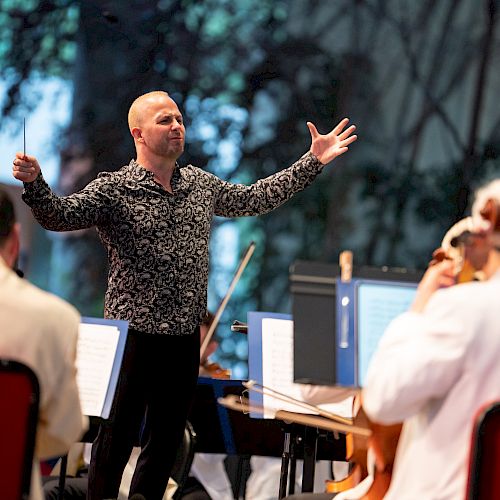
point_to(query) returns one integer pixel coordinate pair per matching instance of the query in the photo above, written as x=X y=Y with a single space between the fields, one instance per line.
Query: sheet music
x=277 y=362
x=96 y=350
x=277 y=370
x=270 y=362
x=378 y=305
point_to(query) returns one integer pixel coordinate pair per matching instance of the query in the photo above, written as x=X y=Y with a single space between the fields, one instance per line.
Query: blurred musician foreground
x=40 y=331
x=437 y=364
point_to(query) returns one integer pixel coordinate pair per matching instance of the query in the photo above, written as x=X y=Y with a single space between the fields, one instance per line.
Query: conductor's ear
x=491 y=213
x=137 y=134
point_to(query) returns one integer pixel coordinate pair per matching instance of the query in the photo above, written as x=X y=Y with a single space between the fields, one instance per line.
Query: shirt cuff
x=34 y=191
x=313 y=161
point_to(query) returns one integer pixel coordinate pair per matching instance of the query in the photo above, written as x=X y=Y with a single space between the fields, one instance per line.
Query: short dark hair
x=7 y=216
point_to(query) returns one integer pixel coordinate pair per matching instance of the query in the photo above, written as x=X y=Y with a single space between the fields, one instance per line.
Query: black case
x=313 y=291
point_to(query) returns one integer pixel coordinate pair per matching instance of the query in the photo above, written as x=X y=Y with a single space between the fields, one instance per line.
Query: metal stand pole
x=285 y=459
x=62 y=477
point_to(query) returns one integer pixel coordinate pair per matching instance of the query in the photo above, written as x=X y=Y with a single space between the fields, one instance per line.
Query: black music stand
x=220 y=430
x=84 y=357
x=312 y=285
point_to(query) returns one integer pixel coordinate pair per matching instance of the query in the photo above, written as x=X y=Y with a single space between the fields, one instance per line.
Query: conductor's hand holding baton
x=25 y=168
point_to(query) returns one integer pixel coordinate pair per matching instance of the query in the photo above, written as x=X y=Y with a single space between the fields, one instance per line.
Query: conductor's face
x=160 y=128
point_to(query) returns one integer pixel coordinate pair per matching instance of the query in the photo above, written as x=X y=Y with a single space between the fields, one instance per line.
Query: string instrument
x=214 y=370
x=468 y=244
x=372 y=458
x=459 y=244
x=454 y=247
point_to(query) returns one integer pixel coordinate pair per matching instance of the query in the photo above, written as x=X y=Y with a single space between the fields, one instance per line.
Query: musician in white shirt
x=40 y=330
x=438 y=363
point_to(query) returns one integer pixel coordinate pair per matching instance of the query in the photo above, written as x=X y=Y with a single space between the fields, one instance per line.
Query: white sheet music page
x=277 y=363
x=277 y=370
x=95 y=354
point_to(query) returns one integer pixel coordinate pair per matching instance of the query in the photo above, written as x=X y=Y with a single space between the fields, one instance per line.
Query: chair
x=19 y=400
x=184 y=460
x=484 y=474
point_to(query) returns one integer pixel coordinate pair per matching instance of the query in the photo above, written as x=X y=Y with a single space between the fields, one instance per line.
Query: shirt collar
x=139 y=173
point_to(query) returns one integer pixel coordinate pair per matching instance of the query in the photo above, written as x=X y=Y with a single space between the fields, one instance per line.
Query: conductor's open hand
x=25 y=168
x=329 y=146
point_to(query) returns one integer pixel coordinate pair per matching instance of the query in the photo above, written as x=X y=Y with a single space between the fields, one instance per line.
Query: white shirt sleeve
x=61 y=422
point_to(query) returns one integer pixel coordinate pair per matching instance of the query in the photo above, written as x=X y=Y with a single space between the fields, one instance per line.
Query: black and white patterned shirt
x=157 y=242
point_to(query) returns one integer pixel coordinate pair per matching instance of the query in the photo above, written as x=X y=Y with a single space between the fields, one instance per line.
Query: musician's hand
x=438 y=256
x=211 y=348
x=329 y=146
x=25 y=168
x=440 y=275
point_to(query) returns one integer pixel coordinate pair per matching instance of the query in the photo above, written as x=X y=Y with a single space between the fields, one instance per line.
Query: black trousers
x=155 y=389
x=75 y=488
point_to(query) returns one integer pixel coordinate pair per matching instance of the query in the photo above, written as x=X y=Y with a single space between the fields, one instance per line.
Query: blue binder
x=365 y=307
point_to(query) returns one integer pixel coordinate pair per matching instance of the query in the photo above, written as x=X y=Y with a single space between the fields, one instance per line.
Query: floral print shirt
x=157 y=241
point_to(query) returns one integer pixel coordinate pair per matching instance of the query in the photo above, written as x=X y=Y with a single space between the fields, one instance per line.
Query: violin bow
x=242 y=405
x=252 y=385
x=239 y=271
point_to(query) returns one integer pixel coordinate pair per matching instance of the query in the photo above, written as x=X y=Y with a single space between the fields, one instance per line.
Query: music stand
x=100 y=347
x=270 y=360
x=314 y=289
x=365 y=307
x=220 y=430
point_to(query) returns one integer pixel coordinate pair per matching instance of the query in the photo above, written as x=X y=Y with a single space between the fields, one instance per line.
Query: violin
x=462 y=245
x=214 y=370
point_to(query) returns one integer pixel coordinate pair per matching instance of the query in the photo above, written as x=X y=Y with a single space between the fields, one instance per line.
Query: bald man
x=154 y=218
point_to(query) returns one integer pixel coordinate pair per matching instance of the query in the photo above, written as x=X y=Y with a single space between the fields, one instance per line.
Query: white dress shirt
x=40 y=330
x=433 y=371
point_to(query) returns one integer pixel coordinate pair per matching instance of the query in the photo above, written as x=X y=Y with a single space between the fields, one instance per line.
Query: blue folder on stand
x=255 y=351
x=365 y=307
